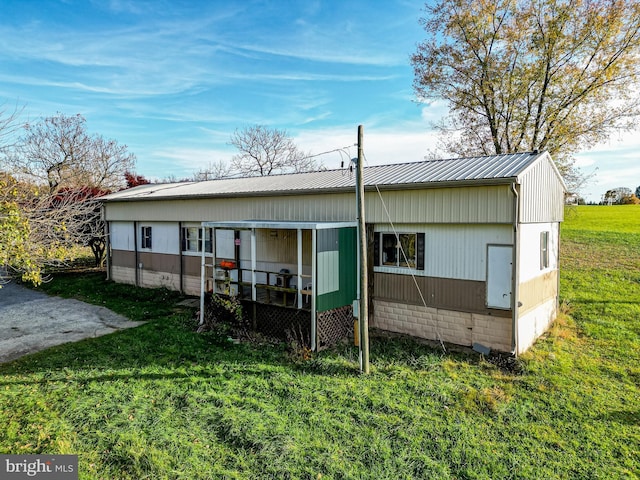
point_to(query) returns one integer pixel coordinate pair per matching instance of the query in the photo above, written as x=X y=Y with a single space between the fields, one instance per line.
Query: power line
x=406 y=260
x=343 y=150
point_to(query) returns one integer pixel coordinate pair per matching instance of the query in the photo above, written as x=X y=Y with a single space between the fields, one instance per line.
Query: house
x=462 y=250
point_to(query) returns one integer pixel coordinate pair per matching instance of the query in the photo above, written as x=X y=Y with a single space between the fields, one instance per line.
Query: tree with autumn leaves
x=555 y=75
x=53 y=176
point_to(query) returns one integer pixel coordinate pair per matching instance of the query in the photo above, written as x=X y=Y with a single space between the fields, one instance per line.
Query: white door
x=499 y=276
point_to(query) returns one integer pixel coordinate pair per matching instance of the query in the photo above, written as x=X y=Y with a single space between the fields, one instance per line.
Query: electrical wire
x=342 y=150
x=406 y=260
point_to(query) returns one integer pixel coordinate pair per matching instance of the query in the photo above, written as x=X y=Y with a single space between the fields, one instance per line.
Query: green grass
x=160 y=401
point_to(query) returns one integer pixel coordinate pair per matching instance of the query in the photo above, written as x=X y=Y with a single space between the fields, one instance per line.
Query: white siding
x=529 y=251
x=225 y=244
x=328 y=272
x=454 y=251
x=534 y=323
x=165 y=237
x=121 y=236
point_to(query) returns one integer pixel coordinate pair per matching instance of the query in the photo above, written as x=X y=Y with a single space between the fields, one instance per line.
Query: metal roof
x=425 y=174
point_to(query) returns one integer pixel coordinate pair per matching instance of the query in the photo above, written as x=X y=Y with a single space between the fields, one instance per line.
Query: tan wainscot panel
x=159 y=270
x=537 y=291
x=123 y=258
x=191 y=266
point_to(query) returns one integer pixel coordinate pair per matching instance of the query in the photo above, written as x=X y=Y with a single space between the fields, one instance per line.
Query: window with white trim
x=192 y=239
x=544 y=250
x=145 y=237
x=404 y=250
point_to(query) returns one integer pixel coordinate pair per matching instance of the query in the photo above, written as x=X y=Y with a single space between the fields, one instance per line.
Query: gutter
x=181 y=242
x=135 y=250
x=107 y=241
x=515 y=288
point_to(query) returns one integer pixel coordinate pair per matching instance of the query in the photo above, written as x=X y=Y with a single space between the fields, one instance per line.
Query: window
x=145 y=237
x=406 y=250
x=544 y=250
x=192 y=239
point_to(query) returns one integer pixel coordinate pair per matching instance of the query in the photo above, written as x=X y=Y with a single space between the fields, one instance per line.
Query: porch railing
x=277 y=284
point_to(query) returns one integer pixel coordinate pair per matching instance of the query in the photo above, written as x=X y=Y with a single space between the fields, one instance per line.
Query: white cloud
x=615 y=163
x=401 y=144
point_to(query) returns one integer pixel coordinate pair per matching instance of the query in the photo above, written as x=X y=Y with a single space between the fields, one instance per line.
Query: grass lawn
x=162 y=402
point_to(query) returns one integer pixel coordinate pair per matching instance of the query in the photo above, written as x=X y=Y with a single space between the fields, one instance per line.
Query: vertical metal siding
x=346 y=269
x=122 y=236
x=282 y=248
x=453 y=251
x=482 y=204
x=542 y=194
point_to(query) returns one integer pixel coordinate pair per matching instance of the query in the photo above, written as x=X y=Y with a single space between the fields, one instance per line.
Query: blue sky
x=173 y=80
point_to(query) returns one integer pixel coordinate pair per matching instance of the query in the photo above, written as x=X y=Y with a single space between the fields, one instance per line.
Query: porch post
x=253 y=265
x=203 y=280
x=314 y=287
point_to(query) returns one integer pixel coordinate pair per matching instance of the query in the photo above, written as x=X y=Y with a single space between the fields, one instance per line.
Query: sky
x=174 y=79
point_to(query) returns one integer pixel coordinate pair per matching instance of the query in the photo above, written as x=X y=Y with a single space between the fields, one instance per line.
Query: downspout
x=135 y=250
x=515 y=288
x=180 y=249
x=107 y=242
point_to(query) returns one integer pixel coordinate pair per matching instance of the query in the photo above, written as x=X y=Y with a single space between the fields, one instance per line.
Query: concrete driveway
x=32 y=321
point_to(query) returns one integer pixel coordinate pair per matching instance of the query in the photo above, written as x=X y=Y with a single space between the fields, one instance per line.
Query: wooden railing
x=289 y=294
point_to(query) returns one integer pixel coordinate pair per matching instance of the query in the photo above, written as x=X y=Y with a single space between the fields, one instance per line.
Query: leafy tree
x=556 y=75
x=28 y=241
x=14 y=234
x=630 y=200
x=638 y=191
x=134 y=180
x=264 y=151
x=616 y=196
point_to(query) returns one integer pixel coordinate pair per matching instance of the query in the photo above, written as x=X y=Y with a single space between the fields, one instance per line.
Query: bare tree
x=59 y=151
x=214 y=171
x=264 y=151
x=556 y=75
x=9 y=126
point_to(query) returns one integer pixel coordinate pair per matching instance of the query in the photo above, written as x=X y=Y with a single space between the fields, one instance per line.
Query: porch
x=289 y=276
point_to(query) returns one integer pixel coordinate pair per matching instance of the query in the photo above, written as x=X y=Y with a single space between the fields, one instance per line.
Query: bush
x=223 y=315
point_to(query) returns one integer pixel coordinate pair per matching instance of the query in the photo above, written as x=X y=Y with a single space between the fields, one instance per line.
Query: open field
x=162 y=402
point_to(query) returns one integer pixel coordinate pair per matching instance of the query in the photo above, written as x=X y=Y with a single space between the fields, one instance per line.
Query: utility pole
x=363 y=308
